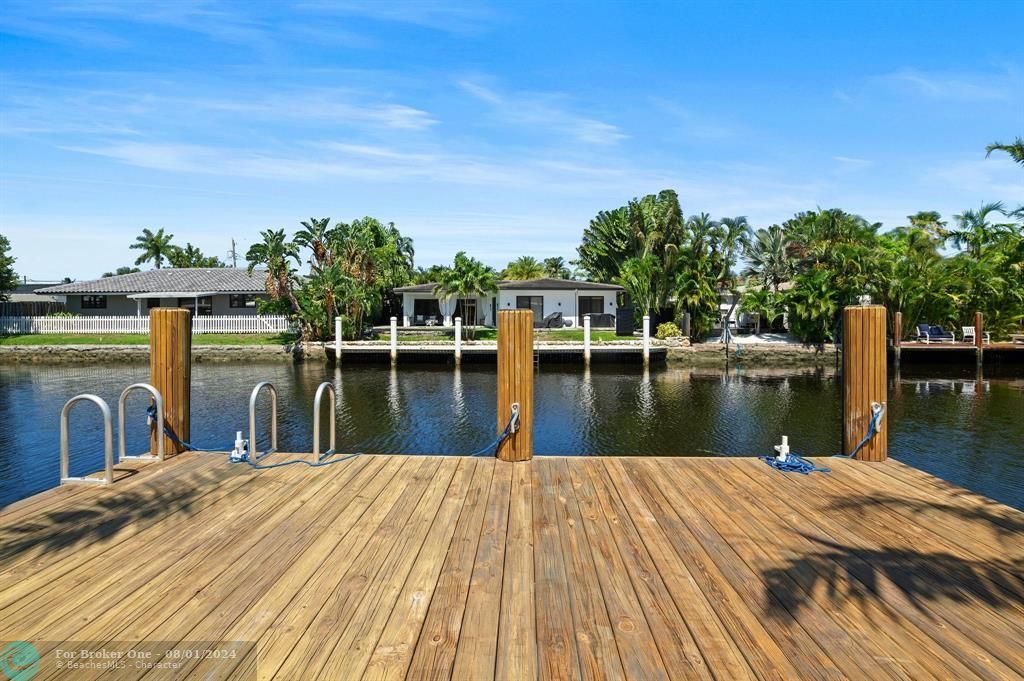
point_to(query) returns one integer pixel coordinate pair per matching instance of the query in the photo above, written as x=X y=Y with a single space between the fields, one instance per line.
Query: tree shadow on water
x=855 y=573
x=104 y=518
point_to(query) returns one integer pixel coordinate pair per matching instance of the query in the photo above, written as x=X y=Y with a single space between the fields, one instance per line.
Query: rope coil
x=794 y=463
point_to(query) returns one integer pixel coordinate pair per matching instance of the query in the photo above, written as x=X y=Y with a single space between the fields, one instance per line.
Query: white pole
x=405 y=320
x=586 y=339
x=458 y=340
x=394 y=340
x=647 y=339
x=138 y=307
x=337 y=338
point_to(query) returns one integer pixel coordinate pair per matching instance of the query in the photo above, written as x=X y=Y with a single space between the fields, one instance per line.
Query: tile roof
x=184 y=280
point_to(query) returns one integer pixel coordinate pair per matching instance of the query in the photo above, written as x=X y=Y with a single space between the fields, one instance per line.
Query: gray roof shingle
x=185 y=280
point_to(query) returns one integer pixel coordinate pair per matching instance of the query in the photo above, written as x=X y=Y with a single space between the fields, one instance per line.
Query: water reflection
x=965 y=428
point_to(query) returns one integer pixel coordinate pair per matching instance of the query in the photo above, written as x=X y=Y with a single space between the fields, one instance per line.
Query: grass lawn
x=143 y=339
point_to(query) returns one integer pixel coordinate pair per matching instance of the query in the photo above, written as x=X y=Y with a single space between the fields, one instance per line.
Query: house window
x=240 y=300
x=466 y=309
x=152 y=302
x=425 y=309
x=591 y=305
x=205 y=305
x=535 y=303
x=94 y=302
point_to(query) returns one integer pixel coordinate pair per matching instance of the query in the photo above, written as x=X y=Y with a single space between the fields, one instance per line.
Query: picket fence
x=127 y=324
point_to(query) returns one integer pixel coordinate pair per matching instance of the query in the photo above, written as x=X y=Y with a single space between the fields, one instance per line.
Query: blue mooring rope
x=151 y=415
x=795 y=463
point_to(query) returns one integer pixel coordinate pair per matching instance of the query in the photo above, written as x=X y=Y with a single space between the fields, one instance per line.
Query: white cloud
x=948 y=86
x=544 y=111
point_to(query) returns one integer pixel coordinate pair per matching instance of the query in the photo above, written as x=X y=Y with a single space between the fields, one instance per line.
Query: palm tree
x=974 y=230
x=767 y=256
x=467 y=278
x=524 y=267
x=556 y=268
x=1015 y=150
x=637 y=277
x=274 y=253
x=315 y=235
x=155 y=246
x=191 y=256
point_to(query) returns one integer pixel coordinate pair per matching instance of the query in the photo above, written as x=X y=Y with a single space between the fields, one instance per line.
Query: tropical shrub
x=667 y=330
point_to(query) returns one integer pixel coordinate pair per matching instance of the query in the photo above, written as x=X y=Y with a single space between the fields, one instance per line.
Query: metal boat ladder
x=254 y=452
x=108 y=442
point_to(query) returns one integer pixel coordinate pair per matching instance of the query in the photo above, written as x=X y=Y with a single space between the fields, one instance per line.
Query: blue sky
x=500 y=129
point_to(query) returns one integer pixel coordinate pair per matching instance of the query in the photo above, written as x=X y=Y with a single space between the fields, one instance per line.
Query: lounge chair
x=934 y=334
x=968 y=333
x=552 y=321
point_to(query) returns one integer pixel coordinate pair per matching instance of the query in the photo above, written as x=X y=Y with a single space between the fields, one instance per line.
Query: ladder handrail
x=330 y=389
x=108 y=441
x=255 y=454
x=159 y=402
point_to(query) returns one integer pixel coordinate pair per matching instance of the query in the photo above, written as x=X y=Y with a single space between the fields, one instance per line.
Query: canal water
x=968 y=431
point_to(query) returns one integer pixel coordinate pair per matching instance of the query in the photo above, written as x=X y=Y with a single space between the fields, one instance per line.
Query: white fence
x=200 y=324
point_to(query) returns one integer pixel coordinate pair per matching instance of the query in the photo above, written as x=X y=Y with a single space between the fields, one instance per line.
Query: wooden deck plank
x=102 y=577
x=936 y=643
x=315 y=647
x=440 y=567
x=556 y=633
x=397 y=642
x=358 y=638
x=640 y=656
x=517 y=650
x=476 y=657
x=438 y=641
x=210 y=591
x=595 y=642
x=765 y=547
x=652 y=561
x=758 y=645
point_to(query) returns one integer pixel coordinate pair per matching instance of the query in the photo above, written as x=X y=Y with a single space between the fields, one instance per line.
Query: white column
x=394 y=340
x=458 y=340
x=586 y=339
x=337 y=338
x=647 y=339
x=138 y=307
x=405 y=320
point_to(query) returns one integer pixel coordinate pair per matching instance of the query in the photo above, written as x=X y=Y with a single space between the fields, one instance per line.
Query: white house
x=204 y=290
x=546 y=297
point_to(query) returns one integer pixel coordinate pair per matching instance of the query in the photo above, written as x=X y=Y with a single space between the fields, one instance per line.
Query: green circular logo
x=19 y=661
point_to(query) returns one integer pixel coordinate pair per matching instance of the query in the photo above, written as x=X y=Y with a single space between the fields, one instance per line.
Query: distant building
x=25 y=301
x=205 y=291
x=546 y=297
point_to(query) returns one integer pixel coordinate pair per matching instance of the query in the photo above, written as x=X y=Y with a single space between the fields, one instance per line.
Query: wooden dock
x=558 y=568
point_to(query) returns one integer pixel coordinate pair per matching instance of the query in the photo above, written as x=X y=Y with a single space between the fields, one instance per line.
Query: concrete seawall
x=92 y=354
x=701 y=355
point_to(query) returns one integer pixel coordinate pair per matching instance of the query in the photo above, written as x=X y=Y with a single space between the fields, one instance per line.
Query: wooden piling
x=647 y=340
x=897 y=338
x=170 y=372
x=864 y=379
x=978 y=329
x=515 y=381
x=337 y=339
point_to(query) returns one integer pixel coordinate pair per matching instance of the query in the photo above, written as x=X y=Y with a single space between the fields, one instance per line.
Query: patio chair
x=968 y=333
x=934 y=334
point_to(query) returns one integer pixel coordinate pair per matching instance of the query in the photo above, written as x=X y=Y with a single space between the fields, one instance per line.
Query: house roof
x=192 y=280
x=531 y=284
